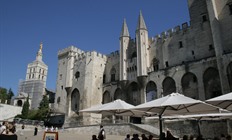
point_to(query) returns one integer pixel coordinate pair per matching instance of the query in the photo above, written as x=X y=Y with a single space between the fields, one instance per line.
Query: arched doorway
x=106 y=97
x=190 y=85
x=169 y=86
x=75 y=101
x=229 y=75
x=119 y=95
x=212 y=84
x=19 y=103
x=133 y=94
x=134 y=98
x=151 y=91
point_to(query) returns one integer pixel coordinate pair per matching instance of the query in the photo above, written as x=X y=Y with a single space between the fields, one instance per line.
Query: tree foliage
x=44 y=104
x=43 y=108
x=9 y=95
x=25 y=109
x=6 y=95
x=3 y=94
x=37 y=114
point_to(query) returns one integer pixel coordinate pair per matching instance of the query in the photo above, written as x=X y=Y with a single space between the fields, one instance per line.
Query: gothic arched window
x=77 y=74
x=113 y=73
x=155 y=62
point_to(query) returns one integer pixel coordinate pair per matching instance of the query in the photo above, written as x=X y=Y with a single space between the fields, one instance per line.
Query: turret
x=124 y=43
x=142 y=46
x=215 y=7
x=197 y=12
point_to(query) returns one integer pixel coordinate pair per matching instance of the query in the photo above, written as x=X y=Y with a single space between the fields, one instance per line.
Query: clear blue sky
x=87 y=24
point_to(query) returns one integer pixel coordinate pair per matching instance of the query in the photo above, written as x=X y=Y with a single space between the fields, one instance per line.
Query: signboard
x=50 y=136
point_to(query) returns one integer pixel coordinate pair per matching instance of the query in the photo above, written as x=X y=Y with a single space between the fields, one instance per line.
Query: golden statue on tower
x=41 y=46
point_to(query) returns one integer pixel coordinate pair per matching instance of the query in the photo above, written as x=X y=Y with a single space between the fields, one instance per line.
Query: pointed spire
x=141 y=24
x=124 y=31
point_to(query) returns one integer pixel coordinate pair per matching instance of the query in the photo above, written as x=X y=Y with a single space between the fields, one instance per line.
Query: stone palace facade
x=194 y=60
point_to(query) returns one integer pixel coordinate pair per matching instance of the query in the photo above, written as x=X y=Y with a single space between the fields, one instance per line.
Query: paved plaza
x=63 y=135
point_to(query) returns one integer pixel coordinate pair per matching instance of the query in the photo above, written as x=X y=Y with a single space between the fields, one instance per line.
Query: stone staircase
x=8 y=112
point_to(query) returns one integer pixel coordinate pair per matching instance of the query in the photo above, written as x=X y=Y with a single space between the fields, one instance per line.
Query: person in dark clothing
x=101 y=134
x=135 y=137
x=151 y=137
x=10 y=133
x=23 y=126
x=228 y=137
x=144 y=137
x=8 y=137
x=185 y=137
x=127 y=137
x=94 y=137
x=170 y=136
x=36 y=130
x=200 y=137
x=162 y=136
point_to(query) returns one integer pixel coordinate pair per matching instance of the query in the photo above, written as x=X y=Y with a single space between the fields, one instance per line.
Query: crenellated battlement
x=69 y=49
x=91 y=54
x=160 y=38
x=113 y=54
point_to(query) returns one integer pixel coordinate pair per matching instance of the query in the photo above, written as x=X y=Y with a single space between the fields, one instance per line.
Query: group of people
x=191 y=137
x=7 y=131
x=102 y=136
x=223 y=137
x=51 y=129
x=136 y=137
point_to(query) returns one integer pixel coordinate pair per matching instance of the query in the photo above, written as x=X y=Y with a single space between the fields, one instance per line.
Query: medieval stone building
x=35 y=83
x=194 y=60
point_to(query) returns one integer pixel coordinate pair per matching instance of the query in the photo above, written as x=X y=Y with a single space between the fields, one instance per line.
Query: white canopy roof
x=223 y=101
x=111 y=108
x=175 y=104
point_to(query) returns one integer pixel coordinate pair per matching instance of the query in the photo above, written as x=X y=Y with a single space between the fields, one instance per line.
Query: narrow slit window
x=104 y=78
x=180 y=44
x=204 y=18
x=166 y=63
x=230 y=8
x=210 y=47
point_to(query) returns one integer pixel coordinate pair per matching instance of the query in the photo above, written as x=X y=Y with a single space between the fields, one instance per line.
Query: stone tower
x=124 y=44
x=79 y=82
x=35 y=82
x=215 y=8
x=37 y=70
x=142 y=46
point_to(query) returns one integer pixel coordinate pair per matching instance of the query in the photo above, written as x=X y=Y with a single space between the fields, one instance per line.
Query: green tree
x=43 y=108
x=9 y=95
x=25 y=109
x=3 y=94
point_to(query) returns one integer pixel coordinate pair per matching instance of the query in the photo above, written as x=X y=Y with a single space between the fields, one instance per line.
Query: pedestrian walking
x=101 y=134
x=36 y=130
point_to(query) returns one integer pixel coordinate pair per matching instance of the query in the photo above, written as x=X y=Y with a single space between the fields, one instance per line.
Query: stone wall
x=113 y=129
x=209 y=129
x=8 y=112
